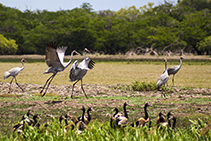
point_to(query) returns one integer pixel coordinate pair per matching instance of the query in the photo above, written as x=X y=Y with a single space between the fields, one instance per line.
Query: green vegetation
x=7 y=46
x=143 y=86
x=163 y=28
x=102 y=131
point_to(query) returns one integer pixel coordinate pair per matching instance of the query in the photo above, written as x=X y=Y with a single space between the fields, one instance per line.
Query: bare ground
x=185 y=103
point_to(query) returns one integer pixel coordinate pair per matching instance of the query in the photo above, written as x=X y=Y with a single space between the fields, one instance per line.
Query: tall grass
x=101 y=131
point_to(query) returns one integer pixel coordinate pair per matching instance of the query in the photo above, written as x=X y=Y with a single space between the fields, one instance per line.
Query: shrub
x=143 y=86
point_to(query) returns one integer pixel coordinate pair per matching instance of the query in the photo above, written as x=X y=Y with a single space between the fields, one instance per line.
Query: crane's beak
x=77 y=53
x=87 y=50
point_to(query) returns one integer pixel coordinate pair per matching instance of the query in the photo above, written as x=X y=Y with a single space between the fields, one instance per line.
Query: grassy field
x=192 y=74
x=185 y=103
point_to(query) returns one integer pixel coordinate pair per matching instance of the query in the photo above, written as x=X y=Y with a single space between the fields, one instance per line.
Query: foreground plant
x=102 y=131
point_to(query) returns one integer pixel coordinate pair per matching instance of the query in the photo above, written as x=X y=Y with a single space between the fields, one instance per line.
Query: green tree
x=205 y=45
x=7 y=46
x=195 y=27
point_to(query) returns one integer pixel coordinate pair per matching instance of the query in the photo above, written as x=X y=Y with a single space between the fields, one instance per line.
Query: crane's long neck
x=84 y=54
x=146 y=114
x=23 y=65
x=180 y=62
x=68 y=63
x=165 y=65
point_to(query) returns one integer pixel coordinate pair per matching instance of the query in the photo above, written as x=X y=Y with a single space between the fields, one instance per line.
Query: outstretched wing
x=91 y=63
x=86 y=64
x=74 y=70
x=51 y=56
x=61 y=53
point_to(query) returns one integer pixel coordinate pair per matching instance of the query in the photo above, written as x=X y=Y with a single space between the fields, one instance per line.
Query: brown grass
x=113 y=73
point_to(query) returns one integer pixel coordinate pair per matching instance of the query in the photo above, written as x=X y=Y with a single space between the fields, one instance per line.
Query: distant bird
x=163 y=78
x=174 y=69
x=14 y=72
x=55 y=60
x=77 y=72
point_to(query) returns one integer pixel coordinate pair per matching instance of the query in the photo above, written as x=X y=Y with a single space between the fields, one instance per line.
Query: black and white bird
x=14 y=72
x=55 y=60
x=174 y=69
x=163 y=78
x=78 y=71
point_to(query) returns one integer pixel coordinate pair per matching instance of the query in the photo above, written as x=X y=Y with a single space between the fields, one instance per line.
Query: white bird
x=77 y=72
x=163 y=78
x=14 y=72
x=55 y=60
x=174 y=69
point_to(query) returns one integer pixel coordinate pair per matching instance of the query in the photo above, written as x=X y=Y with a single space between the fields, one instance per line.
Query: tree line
x=168 y=27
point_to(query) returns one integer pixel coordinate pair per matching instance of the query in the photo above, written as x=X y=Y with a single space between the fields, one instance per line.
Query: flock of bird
x=117 y=120
x=55 y=60
x=162 y=80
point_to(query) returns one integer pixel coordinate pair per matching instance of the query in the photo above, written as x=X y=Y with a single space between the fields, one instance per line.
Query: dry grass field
x=114 y=72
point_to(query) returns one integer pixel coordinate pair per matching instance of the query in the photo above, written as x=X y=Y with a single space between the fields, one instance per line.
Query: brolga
x=14 y=72
x=78 y=71
x=174 y=69
x=55 y=60
x=163 y=77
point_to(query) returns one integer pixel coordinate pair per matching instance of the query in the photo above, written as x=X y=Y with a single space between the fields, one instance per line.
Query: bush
x=143 y=86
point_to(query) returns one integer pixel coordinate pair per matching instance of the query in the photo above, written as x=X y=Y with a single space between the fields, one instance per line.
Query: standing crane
x=77 y=72
x=14 y=72
x=55 y=60
x=174 y=69
x=163 y=77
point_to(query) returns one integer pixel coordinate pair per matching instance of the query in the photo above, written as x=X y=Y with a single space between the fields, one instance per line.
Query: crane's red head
x=181 y=57
x=165 y=60
x=23 y=60
x=85 y=49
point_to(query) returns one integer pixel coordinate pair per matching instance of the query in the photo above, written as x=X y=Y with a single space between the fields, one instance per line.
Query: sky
x=55 y=5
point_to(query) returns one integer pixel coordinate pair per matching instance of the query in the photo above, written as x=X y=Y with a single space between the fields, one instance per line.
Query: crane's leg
x=18 y=85
x=48 y=84
x=73 y=88
x=173 y=80
x=10 y=85
x=83 y=89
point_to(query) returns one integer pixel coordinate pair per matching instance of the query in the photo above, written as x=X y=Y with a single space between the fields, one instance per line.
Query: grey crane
x=54 y=58
x=14 y=72
x=77 y=72
x=174 y=69
x=163 y=77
